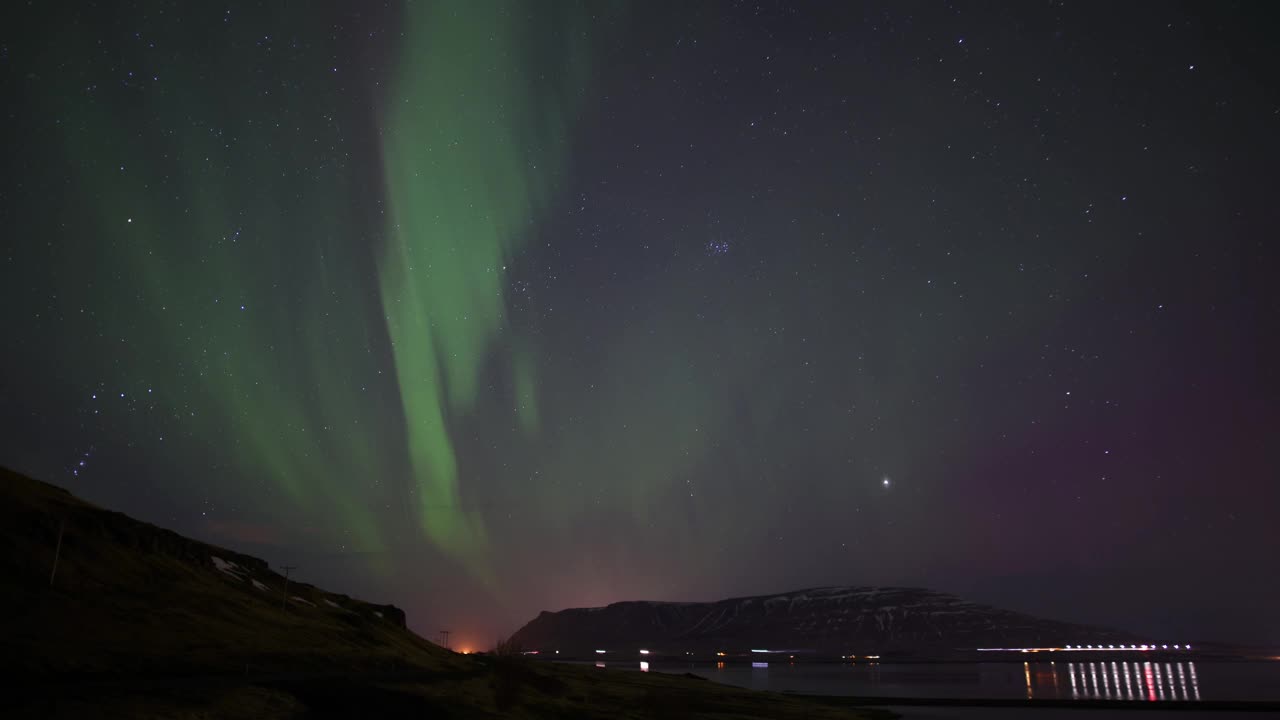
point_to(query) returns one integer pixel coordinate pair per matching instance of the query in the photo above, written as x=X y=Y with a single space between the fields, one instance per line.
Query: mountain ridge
x=837 y=618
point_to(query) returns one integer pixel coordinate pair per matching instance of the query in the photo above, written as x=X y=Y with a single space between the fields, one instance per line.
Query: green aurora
x=282 y=353
x=489 y=307
x=471 y=151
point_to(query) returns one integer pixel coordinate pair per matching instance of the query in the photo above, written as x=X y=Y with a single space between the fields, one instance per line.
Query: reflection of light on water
x=599 y=664
x=1126 y=681
x=1142 y=682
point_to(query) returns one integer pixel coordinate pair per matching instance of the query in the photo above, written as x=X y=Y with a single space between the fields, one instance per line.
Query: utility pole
x=444 y=635
x=286 y=569
x=57 y=551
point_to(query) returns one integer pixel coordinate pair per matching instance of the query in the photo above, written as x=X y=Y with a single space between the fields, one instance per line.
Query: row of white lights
x=1085 y=648
x=1131 y=647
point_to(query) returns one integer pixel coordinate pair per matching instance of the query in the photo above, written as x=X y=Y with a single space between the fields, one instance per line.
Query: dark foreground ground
x=497 y=688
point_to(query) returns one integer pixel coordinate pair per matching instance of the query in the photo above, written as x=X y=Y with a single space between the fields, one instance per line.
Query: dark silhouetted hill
x=132 y=597
x=836 y=620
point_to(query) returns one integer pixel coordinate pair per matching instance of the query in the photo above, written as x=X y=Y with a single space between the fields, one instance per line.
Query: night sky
x=485 y=309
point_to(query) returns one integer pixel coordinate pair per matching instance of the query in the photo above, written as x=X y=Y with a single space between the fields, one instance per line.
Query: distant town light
x=644 y=652
x=600 y=652
x=759 y=651
x=719 y=654
x=644 y=666
x=1187 y=647
x=1166 y=647
x=1175 y=647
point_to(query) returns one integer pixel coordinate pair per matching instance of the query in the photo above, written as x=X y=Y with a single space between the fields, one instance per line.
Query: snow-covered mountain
x=831 y=619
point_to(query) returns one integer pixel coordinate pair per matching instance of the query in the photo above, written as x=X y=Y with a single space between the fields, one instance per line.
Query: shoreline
x=786 y=659
x=1031 y=704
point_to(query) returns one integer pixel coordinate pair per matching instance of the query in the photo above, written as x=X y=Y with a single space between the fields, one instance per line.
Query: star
x=435 y=310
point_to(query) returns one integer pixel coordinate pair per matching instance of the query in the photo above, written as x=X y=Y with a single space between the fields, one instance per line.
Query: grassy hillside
x=132 y=597
x=142 y=622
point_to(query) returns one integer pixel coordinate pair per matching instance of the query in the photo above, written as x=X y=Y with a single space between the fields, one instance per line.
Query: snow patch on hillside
x=228 y=567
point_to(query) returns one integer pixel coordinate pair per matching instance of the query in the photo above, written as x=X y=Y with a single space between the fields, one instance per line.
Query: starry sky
x=488 y=308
